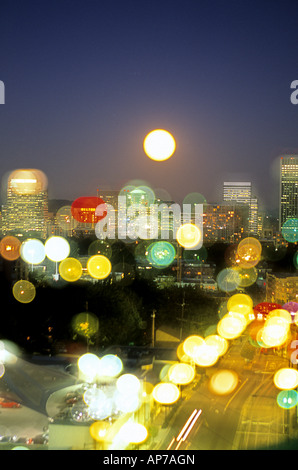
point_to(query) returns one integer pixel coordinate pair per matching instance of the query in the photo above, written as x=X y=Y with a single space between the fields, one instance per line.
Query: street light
x=153 y=328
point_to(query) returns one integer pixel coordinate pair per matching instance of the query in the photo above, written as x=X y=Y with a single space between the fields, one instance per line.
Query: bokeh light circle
x=2 y=369
x=223 y=382
x=161 y=254
x=100 y=247
x=99 y=266
x=228 y=280
x=10 y=248
x=166 y=393
x=57 y=248
x=194 y=198
x=191 y=344
x=206 y=355
x=287 y=399
x=219 y=343
x=24 y=291
x=89 y=365
x=32 y=251
x=248 y=276
x=181 y=374
x=134 y=433
x=27 y=181
x=110 y=366
x=98 y=430
x=65 y=219
x=289 y=230
x=231 y=327
x=128 y=384
x=70 y=269
x=85 y=324
x=275 y=331
x=189 y=236
x=159 y=145
x=248 y=252
x=286 y=378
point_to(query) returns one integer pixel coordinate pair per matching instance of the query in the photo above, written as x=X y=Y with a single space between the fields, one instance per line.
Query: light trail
x=185 y=430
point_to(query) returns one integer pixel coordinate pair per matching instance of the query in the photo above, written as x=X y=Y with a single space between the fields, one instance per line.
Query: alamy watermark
x=294 y=94
x=152 y=222
x=2 y=92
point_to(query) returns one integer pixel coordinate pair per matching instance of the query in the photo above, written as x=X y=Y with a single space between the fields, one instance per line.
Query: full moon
x=159 y=145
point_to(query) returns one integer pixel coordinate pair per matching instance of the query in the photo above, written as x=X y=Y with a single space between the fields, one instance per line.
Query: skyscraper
x=240 y=194
x=288 y=205
x=26 y=209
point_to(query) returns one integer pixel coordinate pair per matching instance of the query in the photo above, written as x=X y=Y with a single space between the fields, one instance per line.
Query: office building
x=240 y=194
x=288 y=207
x=281 y=288
x=223 y=222
x=25 y=211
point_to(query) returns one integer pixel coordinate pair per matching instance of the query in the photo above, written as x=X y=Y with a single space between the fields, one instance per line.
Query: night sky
x=85 y=81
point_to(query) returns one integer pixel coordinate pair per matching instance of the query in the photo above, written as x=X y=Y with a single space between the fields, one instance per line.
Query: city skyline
x=85 y=82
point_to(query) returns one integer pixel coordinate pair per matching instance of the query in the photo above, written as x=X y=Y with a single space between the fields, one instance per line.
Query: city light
x=10 y=248
x=286 y=378
x=181 y=374
x=99 y=266
x=89 y=365
x=189 y=236
x=70 y=269
x=161 y=254
x=24 y=291
x=166 y=393
x=33 y=251
x=57 y=248
x=223 y=382
x=27 y=181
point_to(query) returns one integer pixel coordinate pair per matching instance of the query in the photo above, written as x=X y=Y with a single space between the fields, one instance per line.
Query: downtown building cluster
x=236 y=216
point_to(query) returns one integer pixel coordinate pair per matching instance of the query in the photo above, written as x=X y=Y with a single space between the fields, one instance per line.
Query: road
x=248 y=418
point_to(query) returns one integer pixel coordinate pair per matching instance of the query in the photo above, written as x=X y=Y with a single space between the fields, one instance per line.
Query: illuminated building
x=240 y=193
x=111 y=197
x=25 y=212
x=281 y=288
x=288 y=206
x=223 y=222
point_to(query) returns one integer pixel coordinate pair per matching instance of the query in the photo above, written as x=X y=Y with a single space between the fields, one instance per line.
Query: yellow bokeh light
x=248 y=252
x=24 y=291
x=98 y=430
x=27 y=181
x=241 y=302
x=181 y=374
x=280 y=313
x=191 y=344
x=220 y=344
x=181 y=354
x=166 y=393
x=275 y=332
x=231 y=326
x=99 y=266
x=189 y=236
x=223 y=382
x=159 y=145
x=206 y=355
x=286 y=379
x=70 y=269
